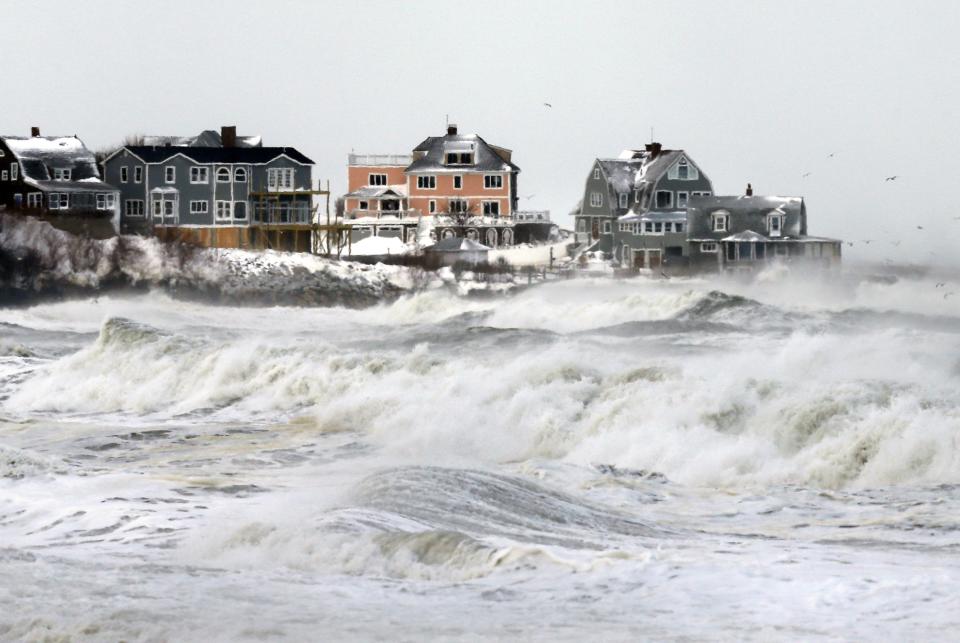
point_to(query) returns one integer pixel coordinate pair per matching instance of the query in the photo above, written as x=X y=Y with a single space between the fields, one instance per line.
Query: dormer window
x=720 y=221
x=683 y=170
x=459 y=158
x=61 y=173
x=596 y=173
x=623 y=200
x=775 y=224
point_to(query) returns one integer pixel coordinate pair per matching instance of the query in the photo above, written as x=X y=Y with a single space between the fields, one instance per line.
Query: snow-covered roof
x=379 y=192
x=206 y=138
x=159 y=154
x=655 y=215
x=486 y=156
x=457 y=244
x=746 y=235
x=40 y=155
x=620 y=173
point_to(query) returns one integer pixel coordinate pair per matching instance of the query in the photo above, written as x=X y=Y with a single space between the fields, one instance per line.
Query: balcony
x=532 y=216
x=380 y=159
x=282 y=214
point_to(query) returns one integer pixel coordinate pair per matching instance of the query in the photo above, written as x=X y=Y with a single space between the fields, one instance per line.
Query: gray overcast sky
x=754 y=91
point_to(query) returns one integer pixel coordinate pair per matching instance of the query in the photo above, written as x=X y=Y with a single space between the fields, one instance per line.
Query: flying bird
x=548 y=104
x=891 y=178
x=919 y=227
x=940 y=284
x=807 y=174
x=830 y=155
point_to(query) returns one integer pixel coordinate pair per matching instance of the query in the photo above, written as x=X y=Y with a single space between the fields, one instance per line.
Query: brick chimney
x=452 y=129
x=654 y=149
x=34 y=132
x=749 y=190
x=228 y=135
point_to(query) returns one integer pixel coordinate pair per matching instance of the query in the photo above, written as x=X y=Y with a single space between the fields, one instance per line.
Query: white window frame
x=62 y=173
x=648 y=227
x=596 y=173
x=596 y=199
x=4 y=175
x=14 y=171
x=683 y=196
x=624 y=200
x=376 y=179
x=682 y=164
x=492 y=181
x=464 y=209
x=779 y=219
x=363 y=205
x=170 y=174
x=224 y=210
x=35 y=199
x=124 y=173
x=101 y=198
x=624 y=227
x=488 y=206
x=53 y=201
x=711 y=247
x=280 y=179
x=432 y=206
x=138 y=174
x=457 y=181
x=199 y=207
x=199 y=175
x=426 y=182
x=223 y=174
x=240 y=172
x=133 y=208
x=719 y=222
x=157 y=207
x=607 y=227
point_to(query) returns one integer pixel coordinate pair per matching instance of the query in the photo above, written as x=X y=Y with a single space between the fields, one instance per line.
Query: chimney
x=34 y=132
x=749 y=190
x=452 y=129
x=228 y=135
x=654 y=149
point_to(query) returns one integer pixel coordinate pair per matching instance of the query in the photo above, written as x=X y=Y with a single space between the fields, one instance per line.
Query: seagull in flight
x=919 y=227
x=806 y=175
x=940 y=284
x=548 y=104
x=830 y=155
x=891 y=178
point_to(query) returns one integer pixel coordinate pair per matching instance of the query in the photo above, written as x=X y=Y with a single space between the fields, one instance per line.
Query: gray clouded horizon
x=757 y=92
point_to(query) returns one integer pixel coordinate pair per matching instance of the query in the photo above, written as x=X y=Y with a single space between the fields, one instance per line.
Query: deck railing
x=282 y=213
x=380 y=159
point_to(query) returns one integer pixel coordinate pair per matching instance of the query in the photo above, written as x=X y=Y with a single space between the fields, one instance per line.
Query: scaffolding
x=281 y=221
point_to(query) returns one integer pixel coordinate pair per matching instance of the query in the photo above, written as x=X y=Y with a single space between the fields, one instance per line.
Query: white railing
x=379 y=159
x=382 y=214
x=282 y=213
x=531 y=216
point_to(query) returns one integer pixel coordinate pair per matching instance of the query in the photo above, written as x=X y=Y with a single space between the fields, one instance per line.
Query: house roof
x=39 y=155
x=655 y=215
x=378 y=192
x=254 y=155
x=206 y=138
x=620 y=173
x=746 y=235
x=486 y=157
x=457 y=244
x=746 y=203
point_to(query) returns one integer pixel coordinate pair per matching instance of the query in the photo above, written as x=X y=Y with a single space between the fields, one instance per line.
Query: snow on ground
x=375 y=246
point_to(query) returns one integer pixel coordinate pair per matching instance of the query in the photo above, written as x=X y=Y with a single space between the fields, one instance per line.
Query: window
x=377 y=179
x=124 y=174
x=240 y=175
x=224 y=209
x=170 y=174
x=459 y=206
x=636 y=228
x=363 y=205
x=34 y=199
x=223 y=175
x=491 y=208
x=683 y=170
x=596 y=199
x=14 y=171
x=596 y=173
x=138 y=174
x=427 y=182
x=168 y=208
x=431 y=206
x=623 y=200
x=199 y=207
x=101 y=201
x=607 y=227
x=492 y=181
x=280 y=178
x=53 y=201
x=157 y=207
x=664 y=199
x=657 y=227
x=62 y=173
x=775 y=224
x=458 y=183
x=625 y=227
x=720 y=222
x=648 y=226
x=459 y=158
x=708 y=246
x=240 y=210
x=4 y=176
x=700 y=194
x=681 y=199
x=133 y=208
x=198 y=175
x=678 y=226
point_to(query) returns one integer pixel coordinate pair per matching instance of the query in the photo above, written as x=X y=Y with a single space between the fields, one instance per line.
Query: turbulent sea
x=590 y=459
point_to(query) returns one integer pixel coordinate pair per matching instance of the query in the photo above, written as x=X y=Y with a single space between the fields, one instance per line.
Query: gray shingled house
x=56 y=178
x=744 y=232
x=228 y=196
x=634 y=206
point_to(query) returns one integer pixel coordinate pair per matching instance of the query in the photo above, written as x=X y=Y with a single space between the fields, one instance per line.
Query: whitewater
x=705 y=458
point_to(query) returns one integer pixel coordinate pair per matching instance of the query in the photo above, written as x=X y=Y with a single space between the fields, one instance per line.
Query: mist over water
x=707 y=458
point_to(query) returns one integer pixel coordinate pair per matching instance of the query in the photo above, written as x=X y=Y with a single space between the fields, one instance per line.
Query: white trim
x=485 y=203
x=138 y=169
x=170 y=177
x=196 y=209
x=124 y=173
x=431 y=178
x=236 y=172
x=709 y=247
x=491 y=178
x=223 y=169
x=457 y=177
x=371 y=183
x=202 y=173
x=126 y=208
x=624 y=199
x=656 y=198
